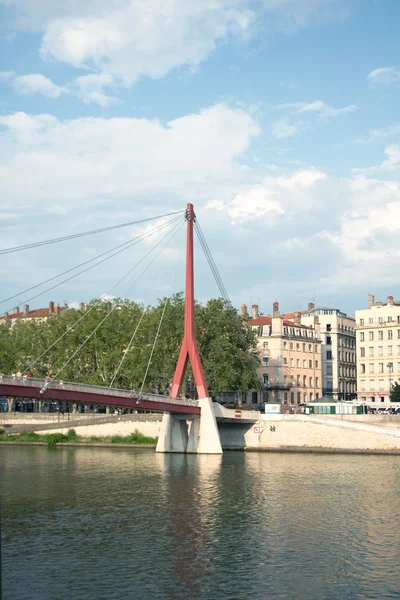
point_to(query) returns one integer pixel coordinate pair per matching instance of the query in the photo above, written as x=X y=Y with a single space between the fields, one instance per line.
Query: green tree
x=395 y=392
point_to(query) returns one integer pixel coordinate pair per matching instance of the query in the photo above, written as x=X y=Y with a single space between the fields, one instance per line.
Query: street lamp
x=390 y=367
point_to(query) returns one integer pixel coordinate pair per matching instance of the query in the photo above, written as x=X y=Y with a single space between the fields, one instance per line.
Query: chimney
x=243 y=311
x=371 y=300
x=81 y=306
x=57 y=309
x=297 y=317
x=26 y=309
x=51 y=308
x=317 y=327
x=15 y=310
x=390 y=299
x=275 y=310
x=65 y=304
x=254 y=311
x=311 y=305
x=6 y=317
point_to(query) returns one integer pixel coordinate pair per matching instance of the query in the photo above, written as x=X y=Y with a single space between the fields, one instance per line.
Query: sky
x=279 y=120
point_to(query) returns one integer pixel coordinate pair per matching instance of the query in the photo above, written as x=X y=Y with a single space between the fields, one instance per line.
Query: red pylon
x=189 y=350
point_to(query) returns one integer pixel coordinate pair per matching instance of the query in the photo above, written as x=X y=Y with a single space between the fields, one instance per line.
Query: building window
x=371 y=368
x=328 y=326
x=297 y=346
x=381 y=385
x=265 y=377
x=380 y=335
x=310 y=364
x=362 y=336
x=398 y=333
x=310 y=345
x=328 y=355
x=389 y=319
x=317 y=395
x=285 y=379
x=285 y=345
x=285 y=397
x=304 y=363
x=316 y=364
x=362 y=351
x=305 y=397
x=310 y=382
x=371 y=385
x=371 y=351
x=298 y=379
x=380 y=320
x=265 y=361
x=380 y=368
x=298 y=397
x=291 y=345
x=298 y=363
x=254 y=397
x=265 y=345
x=371 y=336
x=291 y=397
x=311 y=396
x=292 y=362
x=304 y=347
x=362 y=367
x=328 y=340
x=380 y=350
x=390 y=350
x=317 y=382
x=363 y=385
x=329 y=369
x=304 y=380
x=390 y=334
x=361 y=321
x=316 y=348
x=370 y=320
x=284 y=360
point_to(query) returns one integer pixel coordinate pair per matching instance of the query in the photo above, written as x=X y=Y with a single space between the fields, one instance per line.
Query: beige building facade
x=378 y=349
x=290 y=355
x=338 y=351
x=27 y=315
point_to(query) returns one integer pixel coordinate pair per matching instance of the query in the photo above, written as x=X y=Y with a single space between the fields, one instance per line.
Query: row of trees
x=227 y=349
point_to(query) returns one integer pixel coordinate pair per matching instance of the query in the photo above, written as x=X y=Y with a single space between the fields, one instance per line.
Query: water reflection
x=104 y=524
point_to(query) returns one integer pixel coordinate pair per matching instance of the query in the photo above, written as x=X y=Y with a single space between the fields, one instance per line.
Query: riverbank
x=135 y=439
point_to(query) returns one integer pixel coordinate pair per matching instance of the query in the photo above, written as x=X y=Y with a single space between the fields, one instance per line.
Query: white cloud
x=6 y=76
x=386 y=75
x=37 y=84
x=283 y=129
x=128 y=39
x=392 y=162
x=318 y=106
x=291 y=84
x=378 y=134
x=90 y=88
x=96 y=159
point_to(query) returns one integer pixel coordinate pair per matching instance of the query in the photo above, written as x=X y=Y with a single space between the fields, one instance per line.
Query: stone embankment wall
x=307 y=432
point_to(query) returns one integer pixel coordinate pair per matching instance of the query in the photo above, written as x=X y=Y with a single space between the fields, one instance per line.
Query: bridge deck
x=23 y=387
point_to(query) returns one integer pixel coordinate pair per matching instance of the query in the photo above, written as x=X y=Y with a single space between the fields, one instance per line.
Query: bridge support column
x=10 y=402
x=173 y=434
x=204 y=435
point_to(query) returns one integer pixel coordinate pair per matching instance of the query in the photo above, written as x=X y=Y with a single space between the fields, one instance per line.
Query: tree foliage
x=88 y=345
x=395 y=392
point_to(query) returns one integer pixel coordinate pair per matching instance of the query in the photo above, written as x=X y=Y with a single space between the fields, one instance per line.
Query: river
x=105 y=524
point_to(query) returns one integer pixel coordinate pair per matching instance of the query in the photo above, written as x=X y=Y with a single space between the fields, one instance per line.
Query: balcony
x=277 y=386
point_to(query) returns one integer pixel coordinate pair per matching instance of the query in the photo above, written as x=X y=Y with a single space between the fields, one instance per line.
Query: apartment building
x=338 y=351
x=378 y=349
x=27 y=315
x=290 y=354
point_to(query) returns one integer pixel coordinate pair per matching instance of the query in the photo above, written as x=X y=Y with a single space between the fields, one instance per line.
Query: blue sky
x=279 y=119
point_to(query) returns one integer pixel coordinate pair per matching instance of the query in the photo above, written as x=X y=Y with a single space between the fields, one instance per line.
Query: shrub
x=56 y=438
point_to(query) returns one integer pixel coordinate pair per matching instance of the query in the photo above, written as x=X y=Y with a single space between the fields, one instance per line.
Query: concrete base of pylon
x=203 y=438
x=204 y=435
x=173 y=434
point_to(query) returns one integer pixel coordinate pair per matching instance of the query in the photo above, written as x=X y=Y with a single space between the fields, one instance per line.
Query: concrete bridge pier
x=202 y=439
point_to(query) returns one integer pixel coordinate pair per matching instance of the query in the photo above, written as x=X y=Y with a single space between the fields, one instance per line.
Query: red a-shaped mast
x=189 y=348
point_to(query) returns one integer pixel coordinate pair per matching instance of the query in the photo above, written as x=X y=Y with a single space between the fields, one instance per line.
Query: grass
x=59 y=438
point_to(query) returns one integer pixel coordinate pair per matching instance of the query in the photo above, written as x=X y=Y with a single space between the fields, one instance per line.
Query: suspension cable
x=131 y=243
x=124 y=354
x=98 y=302
x=84 y=234
x=154 y=345
x=72 y=269
x=116 y=305
x=211 y=262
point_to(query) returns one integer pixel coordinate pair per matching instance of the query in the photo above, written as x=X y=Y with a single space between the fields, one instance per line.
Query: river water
x=105 y=524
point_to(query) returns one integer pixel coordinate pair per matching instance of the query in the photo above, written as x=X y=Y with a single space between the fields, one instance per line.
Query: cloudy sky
x=278 y=119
